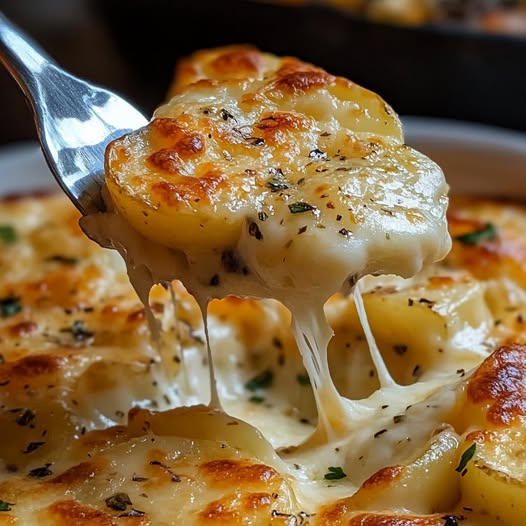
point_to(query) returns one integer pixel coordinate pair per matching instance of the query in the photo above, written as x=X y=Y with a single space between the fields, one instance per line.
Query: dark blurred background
x=131 y=46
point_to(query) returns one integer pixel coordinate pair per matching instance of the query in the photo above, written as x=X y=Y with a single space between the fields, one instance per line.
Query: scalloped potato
x=278 y=161
x=424 y=427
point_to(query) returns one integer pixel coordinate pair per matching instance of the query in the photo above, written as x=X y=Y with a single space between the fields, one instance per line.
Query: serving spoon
x=75 y=120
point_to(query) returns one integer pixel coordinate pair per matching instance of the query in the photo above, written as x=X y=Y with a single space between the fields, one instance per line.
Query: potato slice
x=303 y=176
x=494 y=479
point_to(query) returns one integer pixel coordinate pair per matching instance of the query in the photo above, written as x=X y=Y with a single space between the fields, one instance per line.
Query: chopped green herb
x=8 y=234
x=5 y=506
x=300 y=207
x=487 y=232
x=118 y=502
x=303 y=379
x=334 y=473
x=2 y=359
x=465 y=458
x=255 y=399
x=260 y=381
x=10 y=306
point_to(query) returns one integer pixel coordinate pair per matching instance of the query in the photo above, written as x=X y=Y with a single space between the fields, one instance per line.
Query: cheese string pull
x=384 y=376
x=313 y=334
x=180 y=353
x=215 y=401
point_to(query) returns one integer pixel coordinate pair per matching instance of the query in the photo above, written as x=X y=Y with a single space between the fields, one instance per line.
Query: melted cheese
x=400 y=460
x=238 y=186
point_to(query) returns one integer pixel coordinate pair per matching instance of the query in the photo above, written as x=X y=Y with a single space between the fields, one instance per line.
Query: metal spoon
x=75 y=120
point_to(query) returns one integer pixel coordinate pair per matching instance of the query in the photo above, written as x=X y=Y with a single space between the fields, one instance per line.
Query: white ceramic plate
x=476 y=159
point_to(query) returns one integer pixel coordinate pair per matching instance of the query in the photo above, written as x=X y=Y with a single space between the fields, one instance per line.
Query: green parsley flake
x=5 y=506
x=335 y=473
x=255 y=399
x=8 y=234
x=10 y=306
x=487 y=232
x=465 y=458
x=300 y=207
x=260 y=381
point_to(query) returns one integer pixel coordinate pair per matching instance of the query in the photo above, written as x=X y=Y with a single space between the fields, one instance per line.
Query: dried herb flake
x=5 y=506
x=41 y=472
x=254 y=231
x=25 y=418
x=65 y=260
x=32 y=446
x=118 y=502
x=276 y=185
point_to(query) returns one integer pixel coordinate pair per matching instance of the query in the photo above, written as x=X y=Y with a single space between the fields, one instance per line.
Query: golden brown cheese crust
x=501 y=252
x=498 y=386
x=237 y=61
